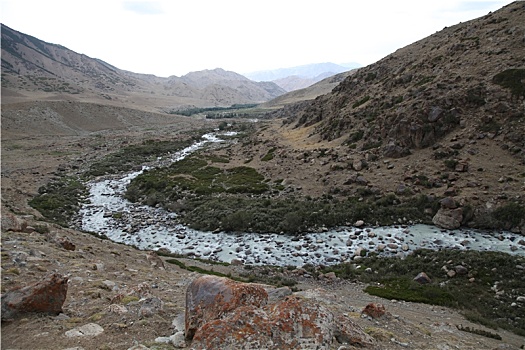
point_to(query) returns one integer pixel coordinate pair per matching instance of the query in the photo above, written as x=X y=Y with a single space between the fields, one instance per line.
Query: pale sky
x=174 y=37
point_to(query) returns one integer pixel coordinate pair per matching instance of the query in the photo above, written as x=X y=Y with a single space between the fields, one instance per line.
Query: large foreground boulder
x=45 y=296
x=293 y=322
x=211 y=297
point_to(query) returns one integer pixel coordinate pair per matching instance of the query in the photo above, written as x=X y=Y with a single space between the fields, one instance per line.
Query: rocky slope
x=31 y=65
x=444 y=117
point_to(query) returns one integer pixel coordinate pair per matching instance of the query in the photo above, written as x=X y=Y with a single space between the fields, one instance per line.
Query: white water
x=155 y=228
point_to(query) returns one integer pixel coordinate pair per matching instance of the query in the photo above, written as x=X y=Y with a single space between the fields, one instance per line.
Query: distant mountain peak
x=306 y=71
x=32 y=67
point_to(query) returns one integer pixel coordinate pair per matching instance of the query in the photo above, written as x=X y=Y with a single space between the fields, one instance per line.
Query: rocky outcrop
x=209 y=298
x=414 y=97
x=223 y=314
x=11 y=222
x=46 y=296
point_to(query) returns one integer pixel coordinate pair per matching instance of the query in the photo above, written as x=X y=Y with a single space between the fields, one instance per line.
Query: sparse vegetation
x=472 y=293
x=512 y=79
x=59 y=200
x=132 y=156
x=269 y=155
x=361 y=101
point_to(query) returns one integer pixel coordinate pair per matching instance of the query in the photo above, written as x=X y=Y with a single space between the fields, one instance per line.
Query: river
x=107 y=212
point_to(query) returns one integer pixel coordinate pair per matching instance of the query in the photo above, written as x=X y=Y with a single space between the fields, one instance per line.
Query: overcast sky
x=174 y=37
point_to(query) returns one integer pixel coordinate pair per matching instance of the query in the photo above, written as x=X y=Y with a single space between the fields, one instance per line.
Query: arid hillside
x=34 y=68
x=442 y=117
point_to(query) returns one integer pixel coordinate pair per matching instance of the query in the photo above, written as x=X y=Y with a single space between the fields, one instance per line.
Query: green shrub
x=450 y=163
x=361 y=101
x=512 y=79
x=393 y=279
x=60 y=200
x=509 y=215
x=268 y=156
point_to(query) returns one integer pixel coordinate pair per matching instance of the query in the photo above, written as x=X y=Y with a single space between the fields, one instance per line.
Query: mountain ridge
x=30 y=65
x=300 y=77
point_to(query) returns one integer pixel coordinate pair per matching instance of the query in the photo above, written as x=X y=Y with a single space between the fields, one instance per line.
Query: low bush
x=473 y=293
x=59 y=200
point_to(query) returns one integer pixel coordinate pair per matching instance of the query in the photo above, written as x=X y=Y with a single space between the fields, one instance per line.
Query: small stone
x=87 y=330
x=422 y=278
x=374 y=310
x=461 y=270
x=359 y=223
x=178 y=340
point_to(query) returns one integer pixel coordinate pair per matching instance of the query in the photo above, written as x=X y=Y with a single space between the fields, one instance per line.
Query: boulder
x=292 y=323
x=461 y=270
x=435 y=114
x=209 y=298
x=45 y=296
x=358 y=164
x=11 y=222
x=448 y=203
x=422 y=278
x=448 y=218
x=359 y=223
x=87 y=330
x=374 y=310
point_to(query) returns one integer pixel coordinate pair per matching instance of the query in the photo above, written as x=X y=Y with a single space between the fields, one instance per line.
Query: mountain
x=308 y=93
x=438 y=125
x=32 y=67
x=299 y=77
x=467 y=76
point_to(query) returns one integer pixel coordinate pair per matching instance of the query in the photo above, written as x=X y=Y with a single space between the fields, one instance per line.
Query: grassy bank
x=485 y=291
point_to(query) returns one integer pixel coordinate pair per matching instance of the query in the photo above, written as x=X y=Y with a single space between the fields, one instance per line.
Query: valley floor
x=100 y=270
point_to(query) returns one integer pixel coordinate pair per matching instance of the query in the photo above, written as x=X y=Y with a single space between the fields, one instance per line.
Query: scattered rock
x=45 y=296
x=422 y=278
x=65 y=243
x=178 y=340
x=87 y=330
x=150 y=307
x=11 y=222
x=448 y=203
x=155 y=261
x=374 y=310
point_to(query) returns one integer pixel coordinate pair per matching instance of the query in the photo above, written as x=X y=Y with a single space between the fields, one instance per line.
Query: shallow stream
x=154 y=228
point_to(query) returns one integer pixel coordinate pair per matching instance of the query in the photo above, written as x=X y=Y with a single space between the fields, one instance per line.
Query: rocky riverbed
x=107 y=212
